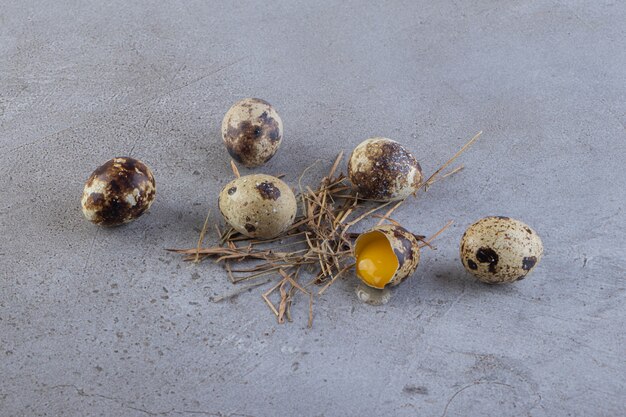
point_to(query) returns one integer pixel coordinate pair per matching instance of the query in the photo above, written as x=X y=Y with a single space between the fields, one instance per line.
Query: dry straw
x=318 y=245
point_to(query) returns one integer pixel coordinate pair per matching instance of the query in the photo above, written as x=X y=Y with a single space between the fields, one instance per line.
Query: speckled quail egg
x=500 y=249
x=119 y=191
x=381 y=169
x=252 y=131
x=386 y=254
x=258 y=206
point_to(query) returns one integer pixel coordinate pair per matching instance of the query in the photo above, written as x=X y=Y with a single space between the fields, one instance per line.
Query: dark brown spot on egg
x=123 y=174
x=370 y=187
x=270 y=127
x=268 y=190
x=503 y=218
x=240 y=141
x=528 y=262
x=94 y=200
x=530 y=232
x=232 y=190
x=407 y=249
x=250 y=227
x=472 y=264
x=488 y=255
x=110 y=214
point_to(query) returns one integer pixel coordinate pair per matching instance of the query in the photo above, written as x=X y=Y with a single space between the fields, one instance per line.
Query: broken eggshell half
x=386 y=255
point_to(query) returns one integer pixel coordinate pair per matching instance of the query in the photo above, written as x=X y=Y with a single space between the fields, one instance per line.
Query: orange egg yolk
x=375 y=261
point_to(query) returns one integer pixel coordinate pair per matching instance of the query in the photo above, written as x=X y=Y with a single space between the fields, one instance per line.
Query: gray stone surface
x=104 y=322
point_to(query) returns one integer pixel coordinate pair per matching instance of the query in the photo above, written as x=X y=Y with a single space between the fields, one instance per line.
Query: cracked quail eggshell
x=252 y=131
x=119 y=191
x=258 y=206
x=405 y=248
x=381 y=169
x=500 y=249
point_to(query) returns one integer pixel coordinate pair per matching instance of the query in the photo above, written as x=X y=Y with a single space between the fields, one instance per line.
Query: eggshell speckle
x=500 y=249
x=252 y=131
x=381 y=169
x=118 y=192
x=258 y=206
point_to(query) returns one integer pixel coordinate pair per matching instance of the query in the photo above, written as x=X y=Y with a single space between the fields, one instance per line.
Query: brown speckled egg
x=258 y=206
x=252 y=131
x=117 y=192
x=386 y=255
x=499 y=249
x=381 y=169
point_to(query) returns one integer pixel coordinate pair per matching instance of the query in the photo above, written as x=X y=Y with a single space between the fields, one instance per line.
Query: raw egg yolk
x=376 y=263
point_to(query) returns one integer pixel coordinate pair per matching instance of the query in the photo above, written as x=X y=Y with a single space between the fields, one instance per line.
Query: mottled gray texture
x=104 y=322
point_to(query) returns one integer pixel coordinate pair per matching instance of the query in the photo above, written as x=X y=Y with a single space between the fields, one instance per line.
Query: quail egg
x=386 y=254
x=381 y=169
x=258 y=206
x=119 y=191
x=252 y=131
x=500 y=249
